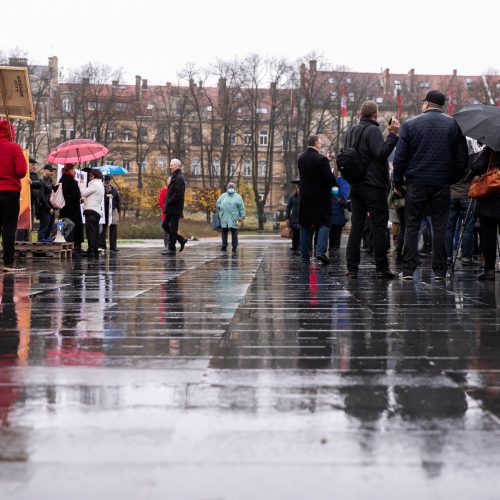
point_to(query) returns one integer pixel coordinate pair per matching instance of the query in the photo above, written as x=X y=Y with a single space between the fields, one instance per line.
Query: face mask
x=230 y=190
x=335 y=190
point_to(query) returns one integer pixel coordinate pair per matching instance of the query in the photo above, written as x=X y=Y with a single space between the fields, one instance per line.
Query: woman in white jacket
x=93 y=196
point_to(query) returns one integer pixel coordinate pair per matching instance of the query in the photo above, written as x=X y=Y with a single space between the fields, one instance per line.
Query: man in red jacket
x=13 y=168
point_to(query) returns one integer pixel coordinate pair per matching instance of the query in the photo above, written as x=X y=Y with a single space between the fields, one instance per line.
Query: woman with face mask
x=231 y=212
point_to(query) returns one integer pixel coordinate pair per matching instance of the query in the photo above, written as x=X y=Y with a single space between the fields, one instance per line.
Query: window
x=424 y=85
x=95 y=105
x=247 y=139
x=195 y=166
x=121 y=106
x=288 y=144
x=216 y=136
x=379 y=100
x=66 y=105
x=232 y=139
x=331 y=80
x=144 y=165
x=498 y=86
x=62 y=134
x=348 y=80
x=93 y=134
x=209 y=108
x=195 y=137
x=263 y=138
x=109 y=162
x=262 y=111
x=72 y=133
x=262 y=167
x=232 y=168
x=162 y=162
x=126 y=164
x=333 y=96
x=247 y=168
x=126 y=135
x=110 y=135
x=351 y=96
x=150 y=106
x=143 y=133
x=216 y=167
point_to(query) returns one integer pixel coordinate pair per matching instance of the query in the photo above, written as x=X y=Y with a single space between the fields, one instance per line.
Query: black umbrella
x=482 y=123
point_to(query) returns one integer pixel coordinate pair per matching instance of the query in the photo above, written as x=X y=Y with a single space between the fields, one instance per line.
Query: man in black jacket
x=174 y=206
x=315 y=199
x=45 y=212
x=430 y=156
x=369 y=194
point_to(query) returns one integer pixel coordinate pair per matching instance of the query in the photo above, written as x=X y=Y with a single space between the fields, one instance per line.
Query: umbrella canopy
x=482 y=123
x=77 y=151
x=113 y=170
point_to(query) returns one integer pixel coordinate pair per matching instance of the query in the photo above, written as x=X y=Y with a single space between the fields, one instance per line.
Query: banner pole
x=4 y=99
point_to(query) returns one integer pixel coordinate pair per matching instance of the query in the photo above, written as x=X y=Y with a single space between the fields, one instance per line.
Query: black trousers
x=9 y=214
x=295 y=238
x=234 y=237
x=437 y=200
x=92 y=230
x=366 y=199
x=335 y=237
x=401 y=231
x=171 y=226
x=46 y=224
x=489 y=232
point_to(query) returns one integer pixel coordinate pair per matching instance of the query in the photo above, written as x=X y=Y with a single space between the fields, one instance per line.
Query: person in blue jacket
x=340 y=197
x=231 y=212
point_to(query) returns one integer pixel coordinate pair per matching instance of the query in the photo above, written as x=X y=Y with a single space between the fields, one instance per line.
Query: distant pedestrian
x=174 y=207
x=315 y=202
x=46 y=212
x=162 y=196
x=72 y=206
x=340 y=198
x=292 y=216
x=369 y=193
x=13 y=168
x=93 y=196
x=430 y=156
x=488 y=211
x=231 y=212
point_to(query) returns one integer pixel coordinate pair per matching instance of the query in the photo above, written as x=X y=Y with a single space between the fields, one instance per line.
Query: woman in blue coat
x=231 y=211
x=340 y=197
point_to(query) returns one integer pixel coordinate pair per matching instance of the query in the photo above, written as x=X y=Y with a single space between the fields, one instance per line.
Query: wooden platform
x=37 y=249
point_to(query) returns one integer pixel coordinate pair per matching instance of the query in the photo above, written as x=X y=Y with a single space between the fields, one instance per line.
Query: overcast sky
x=156 y=39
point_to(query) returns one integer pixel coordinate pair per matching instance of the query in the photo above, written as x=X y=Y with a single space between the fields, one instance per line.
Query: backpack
x=349 y=163
x=57 y=197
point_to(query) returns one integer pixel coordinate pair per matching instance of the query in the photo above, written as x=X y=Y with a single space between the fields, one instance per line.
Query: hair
x=97 y=174
x=368 y=109
x=68 y=167
x=312 y=140
x=177 y=162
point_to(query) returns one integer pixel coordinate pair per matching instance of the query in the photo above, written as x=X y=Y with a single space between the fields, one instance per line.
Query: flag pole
x=4 y=100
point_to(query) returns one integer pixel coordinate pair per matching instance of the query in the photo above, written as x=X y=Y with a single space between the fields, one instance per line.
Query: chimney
x=145 y=83
x=302 y=75
x=85 y=81
x=221 y=84
x=114 y=84
x=273 y=87
x=386 y=80
x=138 y=90
x=53 y=70
x=200 y=84
x=313 y=64
x=411 y=80
x=454 y=73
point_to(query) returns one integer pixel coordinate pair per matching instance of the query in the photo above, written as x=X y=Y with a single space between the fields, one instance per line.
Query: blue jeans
x=46 y=224
x=458 y=210
x=305 y=240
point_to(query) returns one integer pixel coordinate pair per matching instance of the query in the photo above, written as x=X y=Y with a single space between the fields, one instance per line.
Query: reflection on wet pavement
x=215 y=376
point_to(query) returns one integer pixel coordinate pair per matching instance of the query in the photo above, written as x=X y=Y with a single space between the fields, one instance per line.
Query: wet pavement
x=250 y=376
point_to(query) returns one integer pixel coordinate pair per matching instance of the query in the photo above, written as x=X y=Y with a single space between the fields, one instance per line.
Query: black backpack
x=349 y=163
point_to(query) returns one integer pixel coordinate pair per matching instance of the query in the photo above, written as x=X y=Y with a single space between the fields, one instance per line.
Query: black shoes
x=469 y=263
x=183 y=244
x=323 y=259
x=385 y=275
x=223 y=249
x=486 y=275
x=352 y=274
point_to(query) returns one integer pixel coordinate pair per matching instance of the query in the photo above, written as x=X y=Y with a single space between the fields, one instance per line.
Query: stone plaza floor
x=211 y=376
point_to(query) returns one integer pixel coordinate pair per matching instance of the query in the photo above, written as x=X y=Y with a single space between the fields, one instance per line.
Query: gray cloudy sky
x=157 y=38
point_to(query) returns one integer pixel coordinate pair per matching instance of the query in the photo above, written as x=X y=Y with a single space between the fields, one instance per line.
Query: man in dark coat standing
x=174 y=206
x=369 y=194
x=315 y=202
x=430 y=156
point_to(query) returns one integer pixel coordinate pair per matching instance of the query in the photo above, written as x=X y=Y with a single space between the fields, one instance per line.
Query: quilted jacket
x=431 y=151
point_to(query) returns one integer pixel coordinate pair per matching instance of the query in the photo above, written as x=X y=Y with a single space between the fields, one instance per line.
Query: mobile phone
x=390 y=121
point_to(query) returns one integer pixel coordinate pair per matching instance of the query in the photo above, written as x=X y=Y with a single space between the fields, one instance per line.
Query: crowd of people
x=427 y=186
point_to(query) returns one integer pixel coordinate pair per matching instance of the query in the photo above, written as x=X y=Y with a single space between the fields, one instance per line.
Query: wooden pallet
x=38 y=249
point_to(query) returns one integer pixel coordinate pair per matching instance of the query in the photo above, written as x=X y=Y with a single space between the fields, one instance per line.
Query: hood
x=4 y=131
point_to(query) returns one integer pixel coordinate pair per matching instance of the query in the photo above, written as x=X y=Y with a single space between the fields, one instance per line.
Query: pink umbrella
x=77 y=151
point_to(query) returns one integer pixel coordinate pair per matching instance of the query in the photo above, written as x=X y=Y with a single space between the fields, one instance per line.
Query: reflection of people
x=93 y=196
x=292 y=216
x=231 y=211
x=46 y=213
x=13 y=168
x=174 y=206
x=71 y=209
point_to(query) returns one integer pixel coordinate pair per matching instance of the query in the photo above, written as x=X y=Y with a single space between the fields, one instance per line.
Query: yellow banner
x=24 y=221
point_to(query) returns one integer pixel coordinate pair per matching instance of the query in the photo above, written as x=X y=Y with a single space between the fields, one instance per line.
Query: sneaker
x=13 y=268
x=386 y=275
x=352 y=274
x=406 y=276
x=323 y=259
x=486 y=275
x=442 y=276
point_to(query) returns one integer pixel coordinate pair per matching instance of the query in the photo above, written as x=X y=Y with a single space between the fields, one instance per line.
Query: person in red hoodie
x=13 y=168
x=162 y=196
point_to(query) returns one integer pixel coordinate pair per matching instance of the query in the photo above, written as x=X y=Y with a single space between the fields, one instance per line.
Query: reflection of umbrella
x=113 y=170
x=77 y=151
x=482 y=123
